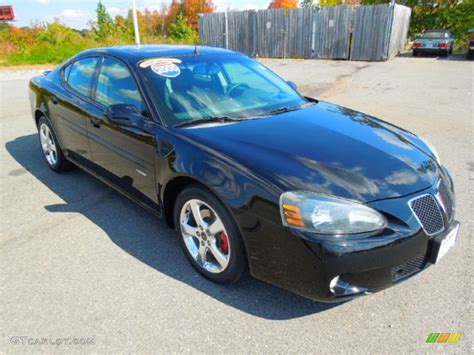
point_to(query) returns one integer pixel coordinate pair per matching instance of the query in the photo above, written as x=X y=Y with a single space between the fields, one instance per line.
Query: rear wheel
x=51 y=150
x=415 y=53
x=209 y=236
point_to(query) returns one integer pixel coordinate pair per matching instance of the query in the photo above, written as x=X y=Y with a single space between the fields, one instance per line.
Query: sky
x=77 y=13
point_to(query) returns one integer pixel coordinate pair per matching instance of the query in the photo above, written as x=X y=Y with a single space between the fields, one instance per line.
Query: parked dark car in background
x=440 y=42
x=318 y=199
x=470 y=49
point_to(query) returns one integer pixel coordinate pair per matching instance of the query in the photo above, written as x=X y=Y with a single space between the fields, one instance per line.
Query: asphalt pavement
x=81 y=263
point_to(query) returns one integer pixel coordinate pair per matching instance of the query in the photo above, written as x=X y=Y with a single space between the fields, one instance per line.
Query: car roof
x=437 y=31
x=136 y=53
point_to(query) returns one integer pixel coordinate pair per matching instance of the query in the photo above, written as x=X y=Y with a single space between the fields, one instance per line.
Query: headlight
x=324 y=214
x=432 y=149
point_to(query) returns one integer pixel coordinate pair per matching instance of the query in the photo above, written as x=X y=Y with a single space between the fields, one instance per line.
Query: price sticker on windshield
x=167 y=70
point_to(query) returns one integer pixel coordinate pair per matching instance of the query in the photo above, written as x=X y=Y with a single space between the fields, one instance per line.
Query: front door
x=121 y=153
x=70 y=108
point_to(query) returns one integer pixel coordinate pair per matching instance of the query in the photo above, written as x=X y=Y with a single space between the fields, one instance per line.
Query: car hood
x=328 y=149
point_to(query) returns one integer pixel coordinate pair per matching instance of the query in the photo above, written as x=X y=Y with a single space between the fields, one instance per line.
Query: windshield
x=436 y=34
x=196 y=87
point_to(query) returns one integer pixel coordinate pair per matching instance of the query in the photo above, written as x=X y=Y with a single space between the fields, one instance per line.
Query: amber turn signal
x=292 y=215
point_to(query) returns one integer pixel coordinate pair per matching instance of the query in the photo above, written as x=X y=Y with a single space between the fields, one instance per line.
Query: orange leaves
x=192 y=8
x=283 y=4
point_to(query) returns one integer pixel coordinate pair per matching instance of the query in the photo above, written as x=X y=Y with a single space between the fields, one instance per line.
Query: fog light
x=342 y=289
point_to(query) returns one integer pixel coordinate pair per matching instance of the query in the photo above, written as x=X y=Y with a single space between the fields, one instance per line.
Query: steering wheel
x=237 y=89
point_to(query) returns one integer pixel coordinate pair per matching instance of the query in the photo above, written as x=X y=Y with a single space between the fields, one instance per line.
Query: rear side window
x=116 y=85
x=80 y=75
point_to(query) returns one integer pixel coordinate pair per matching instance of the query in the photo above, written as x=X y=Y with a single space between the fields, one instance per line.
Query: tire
x=444 y=53
x=415 y=53
x=470 y=54
x=228 y=248
x=51 y=149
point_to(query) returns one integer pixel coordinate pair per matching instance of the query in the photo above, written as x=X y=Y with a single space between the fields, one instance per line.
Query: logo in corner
x=443 y=338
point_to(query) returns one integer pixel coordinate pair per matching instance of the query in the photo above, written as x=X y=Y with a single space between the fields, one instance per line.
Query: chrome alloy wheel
x=48 y=144
x=205 y=236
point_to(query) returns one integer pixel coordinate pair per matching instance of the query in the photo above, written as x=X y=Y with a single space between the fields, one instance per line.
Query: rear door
x=71 y=108
x=122 y=154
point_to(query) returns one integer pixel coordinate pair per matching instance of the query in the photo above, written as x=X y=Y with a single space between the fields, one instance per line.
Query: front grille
x=444 y=197
x=428 y=213
x=406 y=269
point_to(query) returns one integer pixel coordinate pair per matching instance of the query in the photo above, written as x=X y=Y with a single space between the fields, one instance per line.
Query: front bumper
x=309 y=268
x=375 y=269
x=333 y=269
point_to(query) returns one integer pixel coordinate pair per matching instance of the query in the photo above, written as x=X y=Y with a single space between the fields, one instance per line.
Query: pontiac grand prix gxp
x=312 y=197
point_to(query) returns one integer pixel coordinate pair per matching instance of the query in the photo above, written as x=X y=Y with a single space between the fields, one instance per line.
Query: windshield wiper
x=282 y=109
x=210 y=119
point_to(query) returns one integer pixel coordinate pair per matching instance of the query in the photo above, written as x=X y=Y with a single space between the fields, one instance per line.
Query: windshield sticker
x=149 y=62
x=168 y=70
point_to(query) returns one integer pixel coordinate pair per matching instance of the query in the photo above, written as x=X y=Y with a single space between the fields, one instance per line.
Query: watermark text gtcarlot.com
x=28 y=340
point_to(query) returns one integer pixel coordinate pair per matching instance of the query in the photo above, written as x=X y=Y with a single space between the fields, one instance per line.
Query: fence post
x=253 y=18
x=226 y=33
x=351 y=33
x=388 y=36
x=313 y=31
x=283 y=35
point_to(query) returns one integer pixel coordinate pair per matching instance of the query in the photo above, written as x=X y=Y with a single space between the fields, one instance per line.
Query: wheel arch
x=170 y=193
x=38 y=115
x=174 y=187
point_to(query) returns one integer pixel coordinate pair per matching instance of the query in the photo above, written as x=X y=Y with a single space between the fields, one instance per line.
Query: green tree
x=307 y=3
x=456 y=16
x=179 y=29
x=104 y=26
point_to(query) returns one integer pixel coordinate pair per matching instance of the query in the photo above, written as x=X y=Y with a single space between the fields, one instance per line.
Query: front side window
x=115 y=85
x=189 y=88
x=80 y=74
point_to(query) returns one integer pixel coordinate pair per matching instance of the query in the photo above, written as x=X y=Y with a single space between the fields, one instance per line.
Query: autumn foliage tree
x=283 y=4
x=174 y=9
x=192 y=8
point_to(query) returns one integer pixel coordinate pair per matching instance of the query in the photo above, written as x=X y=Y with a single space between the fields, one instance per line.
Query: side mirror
x=124 y=114
x=292 y=85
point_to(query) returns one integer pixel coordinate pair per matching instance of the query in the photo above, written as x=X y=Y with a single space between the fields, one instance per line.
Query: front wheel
x=51 y=150
x=209 y=235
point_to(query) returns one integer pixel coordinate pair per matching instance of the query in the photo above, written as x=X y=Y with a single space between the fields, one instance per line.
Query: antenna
x=135 y=22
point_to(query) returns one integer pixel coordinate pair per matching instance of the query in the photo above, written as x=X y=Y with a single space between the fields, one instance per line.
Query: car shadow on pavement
x=149 y=239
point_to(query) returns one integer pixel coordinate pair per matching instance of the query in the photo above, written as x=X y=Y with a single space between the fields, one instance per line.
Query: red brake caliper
x=224 y=242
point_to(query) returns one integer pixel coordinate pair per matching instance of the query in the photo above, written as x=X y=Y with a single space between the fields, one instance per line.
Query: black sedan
x=315 y=198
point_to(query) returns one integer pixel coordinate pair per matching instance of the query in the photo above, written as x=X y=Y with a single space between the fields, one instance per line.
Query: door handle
x=95 y=123
x=54 y=100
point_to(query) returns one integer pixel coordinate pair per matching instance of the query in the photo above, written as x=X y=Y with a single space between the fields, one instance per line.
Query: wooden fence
x=373 y=33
